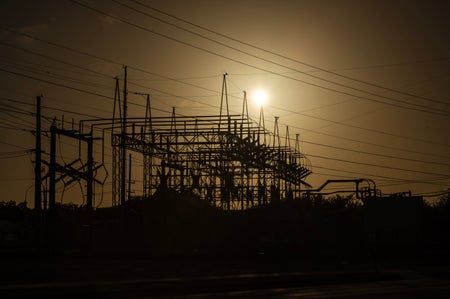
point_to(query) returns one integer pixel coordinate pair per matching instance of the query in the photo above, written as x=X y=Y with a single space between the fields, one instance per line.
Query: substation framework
x=228 y=159
x=224 y=163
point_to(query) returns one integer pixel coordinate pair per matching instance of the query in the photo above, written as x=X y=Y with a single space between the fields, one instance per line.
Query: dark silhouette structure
x=225 y=158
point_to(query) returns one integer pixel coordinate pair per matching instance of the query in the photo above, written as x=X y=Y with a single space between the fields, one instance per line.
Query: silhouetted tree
x=444 y=202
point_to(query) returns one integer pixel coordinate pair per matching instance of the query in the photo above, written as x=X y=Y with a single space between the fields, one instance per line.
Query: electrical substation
x=229 y=160
x=224 y=161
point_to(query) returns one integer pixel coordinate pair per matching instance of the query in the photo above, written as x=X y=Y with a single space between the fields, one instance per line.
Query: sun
x=259 y=97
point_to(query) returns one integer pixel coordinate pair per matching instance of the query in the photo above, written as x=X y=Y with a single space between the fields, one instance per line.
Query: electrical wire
x=286 y=57
x=56 y=76
x=341 y=160
x=12 y=157
x=292 y=69
x=13 y=145
x=97 y=57
x=53 y=108
x=376 y=165
x=375 y=154
x=359 y=128
x=435 y=112
x=51 y=58
x=14 y=128
x=57 y=84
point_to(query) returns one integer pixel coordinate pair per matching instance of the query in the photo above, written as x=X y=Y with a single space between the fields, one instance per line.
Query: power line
x=16 y=119
x=52 y=67
x=13 y=145
x=376 y=165
x=55 y=76
x=93 y=56
x=370 y=143
x=358 y=141
x=77 y=89
x=177 y=80
x=51 y=108
x=256 y=67
x=173 y=79
x=309 y=155
x=51 y=58
x=13 y=152
x=372 y=154
x=287 y=67
x=59 y=100
x=14 y=128
x=360 y=128
x=12 y=157
x=171 y=94
x=105 y=60
x=383 y=177
x=419 y=61
x=57 y=84
x=14 y=109
x=283 y=56
x=59 y=45
x=409 y=182
x=354 y=172
x=15 y=179
x=108 y=61
x=347 y=161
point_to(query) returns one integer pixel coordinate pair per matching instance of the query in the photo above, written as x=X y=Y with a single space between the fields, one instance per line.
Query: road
x=395 y=283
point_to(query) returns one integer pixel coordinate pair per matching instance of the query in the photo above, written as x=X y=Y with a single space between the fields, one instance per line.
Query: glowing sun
x=259 y=97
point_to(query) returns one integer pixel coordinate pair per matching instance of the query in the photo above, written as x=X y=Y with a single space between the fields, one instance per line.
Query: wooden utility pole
x=129 y=178
x=38 y=162
x=52 y=168
x=124 y=133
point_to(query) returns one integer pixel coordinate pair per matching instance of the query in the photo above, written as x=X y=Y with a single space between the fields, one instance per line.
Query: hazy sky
x=366 y=84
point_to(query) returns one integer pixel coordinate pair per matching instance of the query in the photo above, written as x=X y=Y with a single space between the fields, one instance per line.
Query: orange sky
x=366 y=84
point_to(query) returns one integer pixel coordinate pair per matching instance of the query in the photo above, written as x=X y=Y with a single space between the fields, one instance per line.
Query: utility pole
x=52 y=168
x=124 y=133
x=129 y=178
x=90 y=177
x=45 y=198
x=38 y=162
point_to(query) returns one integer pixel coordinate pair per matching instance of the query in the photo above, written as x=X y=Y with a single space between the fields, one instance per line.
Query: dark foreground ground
x=179 y=247
x=214 y=278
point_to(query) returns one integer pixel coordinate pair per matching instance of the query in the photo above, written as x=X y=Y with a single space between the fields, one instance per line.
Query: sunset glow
x=260 y=97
